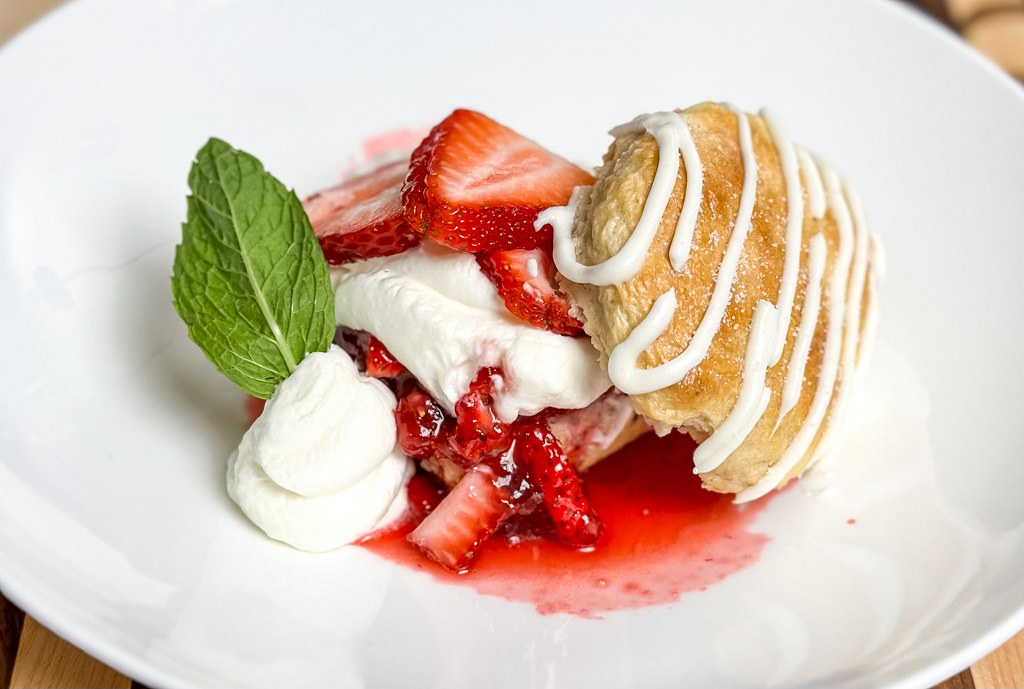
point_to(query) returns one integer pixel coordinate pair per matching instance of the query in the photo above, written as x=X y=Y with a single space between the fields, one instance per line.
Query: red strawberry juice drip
x=663 y=536
x=394 y=140
x=405 y=139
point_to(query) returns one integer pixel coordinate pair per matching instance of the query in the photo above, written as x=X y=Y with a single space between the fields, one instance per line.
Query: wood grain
x=961 y=680
x=45 y=661
x=1002 y=668
x=10 y=631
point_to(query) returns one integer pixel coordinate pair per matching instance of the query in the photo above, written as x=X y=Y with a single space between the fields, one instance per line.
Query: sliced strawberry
x=380 y=363
x=253 y=408
x=362 y=217
x=476 y=185
x=478 y=430
x=422 y=424
x=538 y=451
x=425 y=492
x=525 y=279
x=453 y=531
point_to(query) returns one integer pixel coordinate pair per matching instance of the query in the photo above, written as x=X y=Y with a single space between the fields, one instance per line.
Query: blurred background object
x=17 y=14
x=994 y=27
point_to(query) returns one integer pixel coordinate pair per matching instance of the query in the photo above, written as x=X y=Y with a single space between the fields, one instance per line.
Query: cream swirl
x=319 y=468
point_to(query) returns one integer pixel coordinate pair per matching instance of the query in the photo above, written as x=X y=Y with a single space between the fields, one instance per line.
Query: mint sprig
x=250 y=280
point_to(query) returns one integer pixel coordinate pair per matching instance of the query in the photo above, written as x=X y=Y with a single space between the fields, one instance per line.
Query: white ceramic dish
x=115 y=529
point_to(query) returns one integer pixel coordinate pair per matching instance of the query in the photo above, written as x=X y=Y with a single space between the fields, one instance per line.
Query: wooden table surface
x=32 y=656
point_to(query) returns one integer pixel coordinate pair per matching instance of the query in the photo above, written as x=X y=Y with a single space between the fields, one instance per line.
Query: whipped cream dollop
x=319 y=468
x=440 y=316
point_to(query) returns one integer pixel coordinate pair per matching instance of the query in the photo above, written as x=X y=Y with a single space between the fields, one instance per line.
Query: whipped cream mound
x=319 y=468
x=326 y=427
x=440 y=316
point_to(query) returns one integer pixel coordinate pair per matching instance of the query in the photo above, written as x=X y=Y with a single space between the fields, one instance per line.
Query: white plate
x=115 y=529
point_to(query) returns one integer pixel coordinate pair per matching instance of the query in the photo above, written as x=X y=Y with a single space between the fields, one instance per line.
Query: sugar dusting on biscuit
x=851 y=274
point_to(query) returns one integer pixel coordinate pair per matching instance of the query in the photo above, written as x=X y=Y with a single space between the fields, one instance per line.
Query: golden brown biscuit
x=700 y=402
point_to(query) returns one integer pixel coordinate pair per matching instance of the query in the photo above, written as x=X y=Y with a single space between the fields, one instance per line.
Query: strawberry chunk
x=425 y=492
x=476 y=185
x=422 y=424
x=474 y=509
x=538 y=451
x=525 y=279
x=362 y=217
x=380 y=363
x=478 y=430
x=253 y=408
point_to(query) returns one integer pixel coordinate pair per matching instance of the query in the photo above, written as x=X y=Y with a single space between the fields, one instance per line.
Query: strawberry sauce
x=663 y=536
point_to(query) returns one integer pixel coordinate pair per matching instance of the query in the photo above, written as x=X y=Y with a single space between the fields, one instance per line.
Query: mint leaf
x=250 y=280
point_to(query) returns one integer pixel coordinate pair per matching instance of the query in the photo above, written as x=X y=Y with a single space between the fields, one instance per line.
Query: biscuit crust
x=698 y=404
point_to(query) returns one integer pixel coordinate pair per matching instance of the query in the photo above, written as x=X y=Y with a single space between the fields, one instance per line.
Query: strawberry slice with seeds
x=422 y=424
x=362 y=217
x=478 y=430
x=380 y=363
x=538 y=451
x=425 y=492
x=453 y=531
x=525 y=279
x=476 y=185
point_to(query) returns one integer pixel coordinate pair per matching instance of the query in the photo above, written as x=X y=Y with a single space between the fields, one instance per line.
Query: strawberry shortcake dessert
x=503 y=320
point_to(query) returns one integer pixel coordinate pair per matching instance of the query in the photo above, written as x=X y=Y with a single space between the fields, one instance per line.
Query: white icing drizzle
x=793 y=384
x=794 y=233
x=667 y=126
x=770 y=323
x=622 y=363
x=867 y=341
x=871 y=320
x=753 y=398
x=672 y=134
x=766 y=342
x=830 y=358
x=812 y=178
x=878 y=260
x=855 y=297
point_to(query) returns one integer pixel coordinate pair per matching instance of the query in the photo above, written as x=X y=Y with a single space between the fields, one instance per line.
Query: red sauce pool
x=663 y=536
